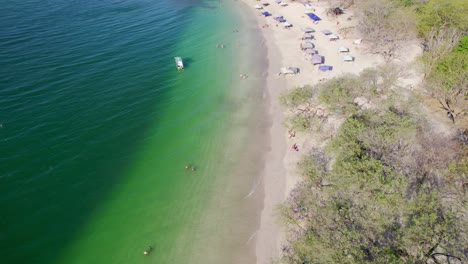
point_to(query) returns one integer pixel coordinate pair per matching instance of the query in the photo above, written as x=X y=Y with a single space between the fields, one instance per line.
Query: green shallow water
x=98 y=126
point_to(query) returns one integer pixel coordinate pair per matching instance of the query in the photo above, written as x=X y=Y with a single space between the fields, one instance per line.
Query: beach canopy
x=258 y=7
x=343 y=49
x=266 y=13
x=289 y=70
x=280 y=19
x=307 y=36
x=317 y=59
x=326 y=32
x=314 y=17
x=311 y=51
x=308 y=30
x=348 y=58
x=333 y=37
x=307 y=45
x=325 y=67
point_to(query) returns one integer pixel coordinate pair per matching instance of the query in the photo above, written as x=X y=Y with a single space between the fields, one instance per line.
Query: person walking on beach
x=193 y=168
x=186 y=167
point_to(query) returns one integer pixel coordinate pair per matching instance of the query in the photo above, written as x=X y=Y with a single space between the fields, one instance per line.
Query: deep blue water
x=96 y=124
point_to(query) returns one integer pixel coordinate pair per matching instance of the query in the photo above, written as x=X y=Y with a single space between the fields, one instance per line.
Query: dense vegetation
x=385 y=187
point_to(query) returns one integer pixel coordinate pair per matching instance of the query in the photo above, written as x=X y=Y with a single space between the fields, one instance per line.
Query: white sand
x=279 y=175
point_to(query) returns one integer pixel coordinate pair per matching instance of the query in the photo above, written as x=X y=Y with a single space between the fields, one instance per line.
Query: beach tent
x=307 y=36
x=343 y=49
x=280 y=19
x=266 y=13
x=307 y=45
x=325 y=67
x=258 y=7
x=333 y=37
x=286 y=25
x=326 y=32
x=311 y=51
x=289 y=70
x=308 y=30
x=317 y=59
x=348 y=58
x=314 y=17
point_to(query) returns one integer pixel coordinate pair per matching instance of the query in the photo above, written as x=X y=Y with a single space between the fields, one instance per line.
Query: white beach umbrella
x=258 y=7
x=348 y=58
x=343 y=49
x=308 y=30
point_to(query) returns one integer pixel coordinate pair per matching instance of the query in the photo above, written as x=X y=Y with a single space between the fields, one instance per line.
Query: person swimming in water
x=146 y=252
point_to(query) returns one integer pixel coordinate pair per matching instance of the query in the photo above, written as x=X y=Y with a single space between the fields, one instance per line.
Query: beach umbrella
x=343 y=49
x=333 y=37
x=280 y=19
x=307 y=36
x=317 y=59
x=307 y=45
x=313 y=16
x=348 y=58
x=258 y=7
x=283 y=4
x=278 y=1
x=311 y=51
x=308 y=30
x=286 y=24
x=325 y=68
x=266 y=13
x=326 y=32
x=358 y=41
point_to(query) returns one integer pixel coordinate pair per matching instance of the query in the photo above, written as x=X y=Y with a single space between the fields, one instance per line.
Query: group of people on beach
x=243 y=76
x=295 y=147
x=220 y=45
x=292 y=134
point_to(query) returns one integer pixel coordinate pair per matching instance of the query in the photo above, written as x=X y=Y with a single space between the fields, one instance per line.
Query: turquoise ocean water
x=96 y=127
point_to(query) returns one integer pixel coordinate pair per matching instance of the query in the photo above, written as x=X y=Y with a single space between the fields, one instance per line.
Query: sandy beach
x=284 y=50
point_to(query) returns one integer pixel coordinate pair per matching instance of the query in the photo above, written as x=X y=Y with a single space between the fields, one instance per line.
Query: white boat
x=179 y=63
